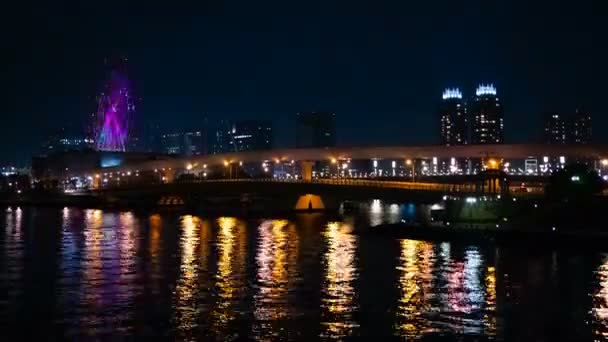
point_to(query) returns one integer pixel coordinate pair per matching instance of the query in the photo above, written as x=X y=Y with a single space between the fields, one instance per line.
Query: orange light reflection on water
x=186 y=311
x=231 y=244
x=414 y=281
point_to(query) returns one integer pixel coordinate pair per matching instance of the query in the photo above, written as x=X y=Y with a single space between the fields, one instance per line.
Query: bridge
x=400 y=153
x=436 y=170
x=288 y=194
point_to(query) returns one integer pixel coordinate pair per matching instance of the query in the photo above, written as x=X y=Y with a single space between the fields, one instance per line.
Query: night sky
x=380 y=66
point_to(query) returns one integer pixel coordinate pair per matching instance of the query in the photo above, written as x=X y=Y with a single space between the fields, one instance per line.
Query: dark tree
x=574 y=182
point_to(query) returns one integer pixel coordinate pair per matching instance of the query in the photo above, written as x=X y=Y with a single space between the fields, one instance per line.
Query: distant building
x=555 y=129
x=221 y=137
x=581 y=128
x=487 y=116
x=153 y=134
x=8 y=170
x=244 y=135
x=70 y=144
x=453 y=118
x=574 y=129
x=315 y=129
x=64 y=142
x=184 y=143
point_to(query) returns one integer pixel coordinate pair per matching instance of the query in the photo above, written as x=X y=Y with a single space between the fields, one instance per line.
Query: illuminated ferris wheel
x=115 y=111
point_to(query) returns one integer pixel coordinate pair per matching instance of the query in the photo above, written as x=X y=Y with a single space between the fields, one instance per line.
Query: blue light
x=450 y=93
x=110 y=161
x=485 y=89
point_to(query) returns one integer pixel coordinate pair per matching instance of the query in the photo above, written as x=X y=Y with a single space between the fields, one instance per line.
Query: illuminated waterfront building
x=555 y=130
x=244 y=135
x=561 y=129
x=184 y=143
x=487 y=116
x=581 y=127
x=453 y=118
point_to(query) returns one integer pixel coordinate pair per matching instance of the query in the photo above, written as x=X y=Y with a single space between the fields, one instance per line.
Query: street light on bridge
x=408 y=163
x=228 y=165
x=604 y=163
x=335 y=162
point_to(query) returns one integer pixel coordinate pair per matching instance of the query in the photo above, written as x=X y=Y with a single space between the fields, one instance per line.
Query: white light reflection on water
x=275 y=258
x=599 y=311
x=380 y=213
x=70 y=268
x=376 y=212
x=439 y=293
x=110 y=275
x=339 y=302
x=12 y=271
x=197 y=283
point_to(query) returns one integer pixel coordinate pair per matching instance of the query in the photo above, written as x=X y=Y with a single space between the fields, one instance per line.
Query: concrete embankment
x=225 y=205
x=523 y=233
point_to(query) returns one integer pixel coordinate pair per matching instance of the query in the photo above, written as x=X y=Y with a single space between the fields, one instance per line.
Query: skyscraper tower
x=487 y=116
x=453 y=118
x=116 y=109
x=555 y=129
x=581 y=127
x=315 y=129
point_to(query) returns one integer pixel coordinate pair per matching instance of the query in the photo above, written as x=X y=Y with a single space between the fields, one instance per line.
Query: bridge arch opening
x=310 y=202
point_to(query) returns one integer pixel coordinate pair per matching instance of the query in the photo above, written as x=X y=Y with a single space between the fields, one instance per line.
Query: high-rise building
x=581 y=127
x=574 y=129
x=66 y=139
x=556 y=129
x=221 y=137
x=315 y=129
x=453 y=118
x=184 y=143
x=487 y=116
x=244 y=135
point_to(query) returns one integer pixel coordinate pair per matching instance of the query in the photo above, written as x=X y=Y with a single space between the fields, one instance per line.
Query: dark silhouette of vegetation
x=574 y=182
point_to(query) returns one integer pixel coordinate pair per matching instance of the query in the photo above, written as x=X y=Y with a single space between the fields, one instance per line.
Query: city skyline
x=388 y=74
x=476 y=120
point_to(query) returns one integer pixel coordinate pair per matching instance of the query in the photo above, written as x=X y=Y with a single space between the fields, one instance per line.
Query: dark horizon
x=381 y=67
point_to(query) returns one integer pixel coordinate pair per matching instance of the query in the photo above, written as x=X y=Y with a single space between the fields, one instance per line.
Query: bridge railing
x=420 y=186
x=446 y=188
x=337 y=181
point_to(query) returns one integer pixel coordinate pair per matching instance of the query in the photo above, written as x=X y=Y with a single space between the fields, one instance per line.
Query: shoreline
x=520 y=234
x=556 y=223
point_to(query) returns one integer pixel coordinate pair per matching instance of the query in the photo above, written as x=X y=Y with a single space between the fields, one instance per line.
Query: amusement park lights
x=115 y=111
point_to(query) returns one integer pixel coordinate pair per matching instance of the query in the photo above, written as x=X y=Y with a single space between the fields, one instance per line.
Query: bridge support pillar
x=96 y=181
x=169 y=175
x=306 y=167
